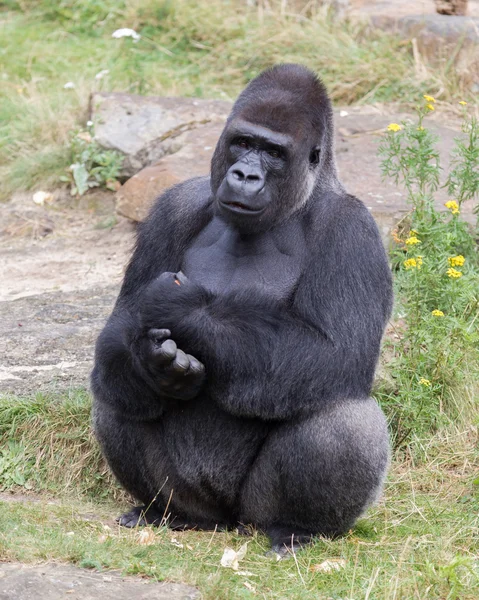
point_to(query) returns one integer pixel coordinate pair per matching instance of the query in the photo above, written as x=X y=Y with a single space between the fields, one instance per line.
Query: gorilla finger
x=181 y=364
x=195 y=365
x=159 y=335
x=182 y=278
x=166 y=353
x=167 y=276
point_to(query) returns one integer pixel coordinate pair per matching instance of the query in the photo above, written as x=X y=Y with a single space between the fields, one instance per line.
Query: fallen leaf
x=146 y=537
x=231 y=558
x=176 y=543
x=249 y=586
x=329 y=565
x=102 y=539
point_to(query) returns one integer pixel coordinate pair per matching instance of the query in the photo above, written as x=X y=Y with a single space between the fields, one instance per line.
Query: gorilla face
x=276 y=147
x=262 y=165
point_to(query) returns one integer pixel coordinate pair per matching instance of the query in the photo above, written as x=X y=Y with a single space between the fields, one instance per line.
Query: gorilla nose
x=245 y=179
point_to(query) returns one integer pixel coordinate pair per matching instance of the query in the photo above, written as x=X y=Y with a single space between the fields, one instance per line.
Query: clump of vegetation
x=47 y=444
x=92 y=166
x=433 y=373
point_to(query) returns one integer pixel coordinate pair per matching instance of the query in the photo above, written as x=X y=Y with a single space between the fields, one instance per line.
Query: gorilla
x=232 y=380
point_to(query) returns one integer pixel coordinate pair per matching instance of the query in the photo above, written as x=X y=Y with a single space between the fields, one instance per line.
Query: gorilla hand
x=172 y=282
x=178 y=375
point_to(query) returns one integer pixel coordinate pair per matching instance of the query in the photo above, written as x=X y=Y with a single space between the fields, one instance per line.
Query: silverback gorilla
x=232 y=380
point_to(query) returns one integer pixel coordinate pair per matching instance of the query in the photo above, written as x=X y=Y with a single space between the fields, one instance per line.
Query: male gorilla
x=232 y=380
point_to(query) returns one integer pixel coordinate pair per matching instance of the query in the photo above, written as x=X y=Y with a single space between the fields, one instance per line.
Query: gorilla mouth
x=243 y=208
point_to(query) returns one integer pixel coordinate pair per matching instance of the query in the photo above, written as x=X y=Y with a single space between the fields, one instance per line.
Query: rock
x=451 y=7
x=437 y=38
x=134 y=198
x=146 y=128
x=57 y=582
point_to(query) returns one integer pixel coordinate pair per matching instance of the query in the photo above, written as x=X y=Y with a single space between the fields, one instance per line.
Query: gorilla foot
x=140 y=516
x=286 y=541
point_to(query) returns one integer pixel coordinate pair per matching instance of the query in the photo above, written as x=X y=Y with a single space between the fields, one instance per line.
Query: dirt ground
x=60 y=271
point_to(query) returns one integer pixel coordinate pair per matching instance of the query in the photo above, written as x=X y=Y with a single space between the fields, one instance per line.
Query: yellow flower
x=394 y=127
x=412 y=241
x=437 y=313
x=453 y=206
x=456 y=261
x=429 y=98
x=430 y=107
x=462 y=103
x=413 y=263
x=454 y=273
x=420 y=128
x=425 y=382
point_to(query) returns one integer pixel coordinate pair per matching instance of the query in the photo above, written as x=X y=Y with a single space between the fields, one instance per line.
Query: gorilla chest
x=223 y=261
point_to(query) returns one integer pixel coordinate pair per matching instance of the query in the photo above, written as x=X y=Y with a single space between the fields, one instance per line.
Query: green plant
x=436 y=263
x=463 y=180
x=15 y=466
x=92 y=166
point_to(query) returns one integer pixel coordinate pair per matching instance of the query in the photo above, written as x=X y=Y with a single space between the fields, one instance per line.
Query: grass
x=422 y=541
x=207 y=48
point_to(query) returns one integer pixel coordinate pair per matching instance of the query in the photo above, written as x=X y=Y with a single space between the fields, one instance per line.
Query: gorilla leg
x=137 y=454
x=316 y=476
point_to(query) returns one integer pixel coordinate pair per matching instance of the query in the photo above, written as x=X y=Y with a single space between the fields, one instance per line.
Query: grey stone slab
x=58 y=582
x=146 y=128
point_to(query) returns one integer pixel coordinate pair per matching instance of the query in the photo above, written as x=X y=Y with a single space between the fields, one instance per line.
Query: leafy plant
x=15 y=466
x=92 y=166
x=435 y=258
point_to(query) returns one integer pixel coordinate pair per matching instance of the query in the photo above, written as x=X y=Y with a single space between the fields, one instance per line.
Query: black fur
x=274 y=283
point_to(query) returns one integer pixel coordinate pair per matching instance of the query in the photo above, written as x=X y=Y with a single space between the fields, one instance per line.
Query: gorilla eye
x=243 y=143
x=274 y=153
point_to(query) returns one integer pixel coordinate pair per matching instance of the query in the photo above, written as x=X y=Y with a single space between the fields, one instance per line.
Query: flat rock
x=57 y=582
x=146 y=128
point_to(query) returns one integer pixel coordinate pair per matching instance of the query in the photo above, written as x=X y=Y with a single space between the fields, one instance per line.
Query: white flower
x=343 y=113
x=89 y=123
x=125 y=32
x=69 y=85
x=104 y=72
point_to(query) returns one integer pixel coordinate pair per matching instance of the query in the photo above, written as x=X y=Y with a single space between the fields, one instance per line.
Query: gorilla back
x=232 y=379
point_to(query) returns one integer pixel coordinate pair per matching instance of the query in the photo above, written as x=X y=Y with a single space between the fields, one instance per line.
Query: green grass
x=422 y=541
x=46 y=443
x=207 y=48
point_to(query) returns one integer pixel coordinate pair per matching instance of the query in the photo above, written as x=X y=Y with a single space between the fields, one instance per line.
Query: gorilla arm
x=268 y=362
x=121 y=377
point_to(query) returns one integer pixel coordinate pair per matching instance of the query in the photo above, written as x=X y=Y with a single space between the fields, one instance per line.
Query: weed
x=436 y=263
x=92 y=166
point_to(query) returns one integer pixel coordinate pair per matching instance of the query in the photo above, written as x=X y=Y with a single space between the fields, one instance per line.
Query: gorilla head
x=276 y=148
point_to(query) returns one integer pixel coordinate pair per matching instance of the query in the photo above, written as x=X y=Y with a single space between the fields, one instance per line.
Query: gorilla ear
x=314 y=155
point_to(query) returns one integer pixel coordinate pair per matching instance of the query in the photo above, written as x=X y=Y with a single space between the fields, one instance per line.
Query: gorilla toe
x=140 y=516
